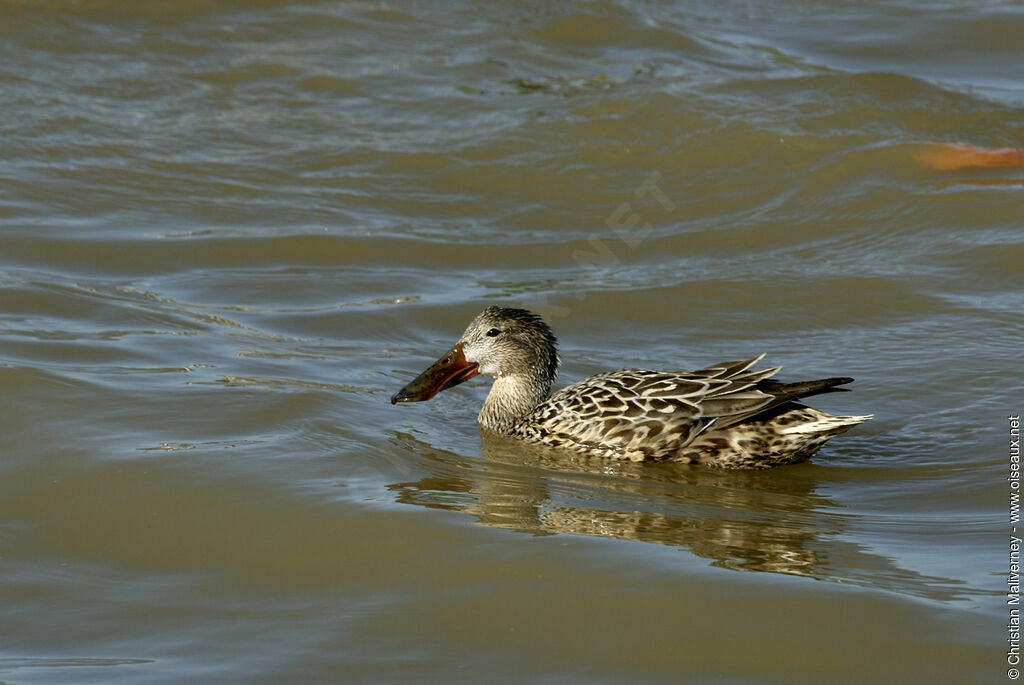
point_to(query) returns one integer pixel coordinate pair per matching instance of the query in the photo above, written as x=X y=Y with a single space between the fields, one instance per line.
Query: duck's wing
x=639 y=414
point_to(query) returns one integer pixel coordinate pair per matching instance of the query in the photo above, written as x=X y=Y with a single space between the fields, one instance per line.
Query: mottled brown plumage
x=725 y=415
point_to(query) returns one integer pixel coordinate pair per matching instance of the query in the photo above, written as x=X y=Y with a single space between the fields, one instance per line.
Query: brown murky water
x=229 y=231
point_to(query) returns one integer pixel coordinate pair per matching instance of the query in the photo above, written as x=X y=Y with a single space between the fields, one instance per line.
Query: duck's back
x=724 y=415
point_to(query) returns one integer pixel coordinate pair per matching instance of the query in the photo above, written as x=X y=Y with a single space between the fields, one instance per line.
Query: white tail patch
x=826 y=423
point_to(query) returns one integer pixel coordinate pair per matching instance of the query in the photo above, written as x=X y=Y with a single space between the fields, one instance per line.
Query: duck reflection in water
x=775 y=522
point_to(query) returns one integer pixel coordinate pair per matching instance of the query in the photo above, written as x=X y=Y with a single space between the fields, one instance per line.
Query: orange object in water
x=954 y=156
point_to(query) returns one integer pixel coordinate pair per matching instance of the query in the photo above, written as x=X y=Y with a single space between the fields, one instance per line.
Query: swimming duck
x=725 y=415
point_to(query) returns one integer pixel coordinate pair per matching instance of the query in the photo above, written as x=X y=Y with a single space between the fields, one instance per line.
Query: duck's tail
x=824 y=424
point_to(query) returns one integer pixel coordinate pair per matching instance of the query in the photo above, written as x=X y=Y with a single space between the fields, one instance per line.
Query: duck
x=727 y=415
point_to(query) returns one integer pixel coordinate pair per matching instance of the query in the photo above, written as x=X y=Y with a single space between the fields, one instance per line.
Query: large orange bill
x=446 y=372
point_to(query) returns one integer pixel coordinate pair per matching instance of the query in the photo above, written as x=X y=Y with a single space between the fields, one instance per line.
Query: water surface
x=229 y=231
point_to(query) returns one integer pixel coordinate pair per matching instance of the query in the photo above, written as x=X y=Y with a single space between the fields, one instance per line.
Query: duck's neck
x=512 y=397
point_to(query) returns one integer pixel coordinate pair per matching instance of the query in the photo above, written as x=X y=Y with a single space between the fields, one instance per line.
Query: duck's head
x=499 y=342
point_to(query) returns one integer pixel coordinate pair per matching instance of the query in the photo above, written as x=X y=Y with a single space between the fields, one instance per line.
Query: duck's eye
x=493 y=332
